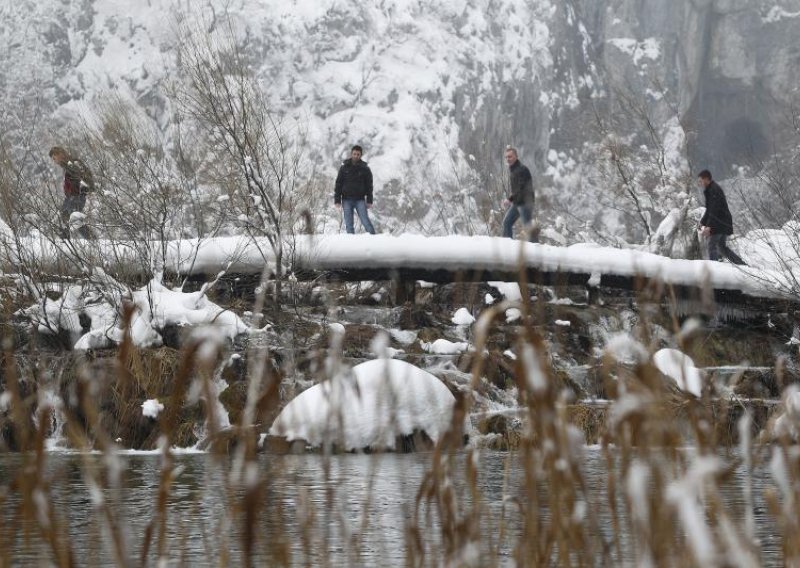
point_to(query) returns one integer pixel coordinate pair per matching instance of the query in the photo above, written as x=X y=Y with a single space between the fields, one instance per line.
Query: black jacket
x=521 y=183
x=353 y=182
x=717 y=215
x=78 y=178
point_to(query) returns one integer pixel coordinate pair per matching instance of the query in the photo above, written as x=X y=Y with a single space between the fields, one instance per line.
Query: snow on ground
x=679 y=367
x=369 y=407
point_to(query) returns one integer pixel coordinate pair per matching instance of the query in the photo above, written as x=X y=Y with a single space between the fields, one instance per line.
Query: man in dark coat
x=353 y=190
x=717 y=222
x=521 y=200
x=78 y=181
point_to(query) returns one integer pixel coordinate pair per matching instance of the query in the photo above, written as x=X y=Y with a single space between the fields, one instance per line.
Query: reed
x=666 y=503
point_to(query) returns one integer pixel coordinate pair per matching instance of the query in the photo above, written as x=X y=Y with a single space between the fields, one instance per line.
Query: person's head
x=356 y=152
x=704 y=178
x=59 y=155
x=511 y=155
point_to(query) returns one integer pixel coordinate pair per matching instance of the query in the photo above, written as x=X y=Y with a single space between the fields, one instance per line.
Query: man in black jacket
x=717 y=222
x=353 y=191
x=520 y=202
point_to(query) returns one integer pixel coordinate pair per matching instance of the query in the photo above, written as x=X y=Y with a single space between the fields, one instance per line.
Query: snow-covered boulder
x=445 y=347
x=787 y=423
x=679 y=367
x=368 y=408
x=463 y=317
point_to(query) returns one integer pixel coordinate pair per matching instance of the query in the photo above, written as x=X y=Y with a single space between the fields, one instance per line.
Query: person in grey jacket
x=521 y=200
x=717 y=222
x=353 y=190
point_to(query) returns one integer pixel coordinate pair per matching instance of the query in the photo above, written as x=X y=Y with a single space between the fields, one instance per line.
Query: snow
x=463 y=317
x=686 y=495
x=336 y=328
x=778 y=13
x=563 y=323
x=680 y=367
x=368 y=407
x=787 y=423
x=155 y=308
x=626 y=349
x=649 y=48
x=247 y=256
x=404 y=336
x=152 y=408
x=509 y=290
x=445 y=347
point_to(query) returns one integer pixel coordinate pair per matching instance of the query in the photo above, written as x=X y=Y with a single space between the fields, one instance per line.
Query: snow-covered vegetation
x=191 y=304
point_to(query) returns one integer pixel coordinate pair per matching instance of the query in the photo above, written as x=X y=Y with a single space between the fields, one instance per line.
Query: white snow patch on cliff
x=649 y=48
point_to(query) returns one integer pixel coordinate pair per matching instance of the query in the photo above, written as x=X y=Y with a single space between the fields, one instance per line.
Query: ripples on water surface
x=347 y=509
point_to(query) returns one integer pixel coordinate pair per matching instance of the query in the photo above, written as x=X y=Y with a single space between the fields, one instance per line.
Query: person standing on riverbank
x=520 y=202
x=353 y=191
x=78 y=183
x=717 y=222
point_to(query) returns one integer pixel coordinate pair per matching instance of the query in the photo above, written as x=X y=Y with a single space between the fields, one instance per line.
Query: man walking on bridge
x=353 y=190
x=78 y=182
x=717 y=222
x=521 y=199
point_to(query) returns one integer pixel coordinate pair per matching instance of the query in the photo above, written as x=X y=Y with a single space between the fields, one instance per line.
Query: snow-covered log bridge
x=405 y=259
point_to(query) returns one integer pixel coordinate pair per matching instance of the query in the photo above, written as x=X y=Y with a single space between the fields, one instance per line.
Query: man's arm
x=337 y=189
x=527 y=184
x=704 y=218
x=369 y=186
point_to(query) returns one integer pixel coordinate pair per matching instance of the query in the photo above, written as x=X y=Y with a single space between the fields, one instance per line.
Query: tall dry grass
x=665 y=504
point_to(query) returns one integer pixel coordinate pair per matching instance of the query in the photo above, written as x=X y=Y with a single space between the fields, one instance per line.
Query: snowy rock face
x=381 y=400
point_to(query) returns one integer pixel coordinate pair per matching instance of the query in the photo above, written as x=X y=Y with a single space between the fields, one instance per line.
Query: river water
x=341 y=510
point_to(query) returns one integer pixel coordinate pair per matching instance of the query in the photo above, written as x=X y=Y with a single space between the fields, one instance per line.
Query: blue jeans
x=360 y=206
x=515 y=212
x=717 y=246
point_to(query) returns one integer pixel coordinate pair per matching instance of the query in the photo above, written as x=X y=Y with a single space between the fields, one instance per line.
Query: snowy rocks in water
x=374 y=407
x=680 y=368
x=463 y=317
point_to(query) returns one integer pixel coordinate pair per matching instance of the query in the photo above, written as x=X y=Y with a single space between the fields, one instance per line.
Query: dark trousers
x=513 y=214
x=717 y=247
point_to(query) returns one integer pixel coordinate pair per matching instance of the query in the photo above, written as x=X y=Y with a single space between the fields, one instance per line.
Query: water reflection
x=341 y=510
